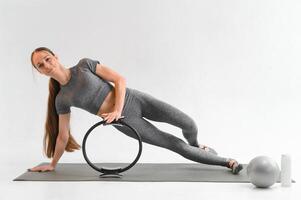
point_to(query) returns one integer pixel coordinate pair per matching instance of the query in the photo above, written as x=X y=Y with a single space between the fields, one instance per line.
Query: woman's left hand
x=109 y=117
x=42 y=168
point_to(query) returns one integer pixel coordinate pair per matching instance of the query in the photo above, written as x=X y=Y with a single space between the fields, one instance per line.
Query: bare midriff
x=108 y=104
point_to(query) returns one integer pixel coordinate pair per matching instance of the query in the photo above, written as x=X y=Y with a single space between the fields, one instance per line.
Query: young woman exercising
x=87 y=86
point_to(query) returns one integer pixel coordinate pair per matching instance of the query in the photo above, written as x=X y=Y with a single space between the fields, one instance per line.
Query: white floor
x=117 y=190
x=17 y=155
x=131 y=190
x=21 y=152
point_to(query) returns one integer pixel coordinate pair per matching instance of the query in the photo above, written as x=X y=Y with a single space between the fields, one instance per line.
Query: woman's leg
x=154 y=136
x=160 y=111
x=134 y=110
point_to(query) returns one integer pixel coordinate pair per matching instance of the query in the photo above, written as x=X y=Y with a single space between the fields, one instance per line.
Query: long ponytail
x=52 y=118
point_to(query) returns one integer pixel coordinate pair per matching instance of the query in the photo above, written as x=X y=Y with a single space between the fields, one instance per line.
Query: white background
x=233 y=66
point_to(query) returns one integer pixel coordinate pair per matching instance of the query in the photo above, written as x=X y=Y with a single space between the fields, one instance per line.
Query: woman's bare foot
x=234 y=166
x=204 y=147
x=208 y=149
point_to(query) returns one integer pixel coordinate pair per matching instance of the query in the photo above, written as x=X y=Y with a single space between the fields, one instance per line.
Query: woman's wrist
x=52 y=164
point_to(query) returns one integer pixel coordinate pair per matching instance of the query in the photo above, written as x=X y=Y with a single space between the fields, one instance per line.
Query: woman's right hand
x=42 y=168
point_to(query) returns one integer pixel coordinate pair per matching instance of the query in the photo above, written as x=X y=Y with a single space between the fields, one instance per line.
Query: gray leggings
x=139 y=104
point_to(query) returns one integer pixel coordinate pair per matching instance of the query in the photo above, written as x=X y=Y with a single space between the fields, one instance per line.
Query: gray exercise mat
x=141 y=172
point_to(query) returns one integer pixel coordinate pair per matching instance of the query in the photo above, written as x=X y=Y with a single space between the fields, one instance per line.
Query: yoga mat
x=141 y=172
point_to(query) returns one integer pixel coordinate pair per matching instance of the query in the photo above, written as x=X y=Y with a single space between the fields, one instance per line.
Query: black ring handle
x=116 y=170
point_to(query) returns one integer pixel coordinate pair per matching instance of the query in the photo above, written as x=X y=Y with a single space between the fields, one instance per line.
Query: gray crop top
x=85 y=89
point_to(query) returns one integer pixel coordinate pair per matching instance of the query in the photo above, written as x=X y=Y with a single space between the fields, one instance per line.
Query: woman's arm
x=120 y=89
x=62 y=138
x=59 y=150
x=61 y=142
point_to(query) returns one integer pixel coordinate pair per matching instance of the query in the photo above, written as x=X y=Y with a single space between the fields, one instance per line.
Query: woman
x=86 y=85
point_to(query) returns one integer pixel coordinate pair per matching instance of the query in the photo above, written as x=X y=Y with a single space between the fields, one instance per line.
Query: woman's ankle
x=194 y=144
x=231 y=162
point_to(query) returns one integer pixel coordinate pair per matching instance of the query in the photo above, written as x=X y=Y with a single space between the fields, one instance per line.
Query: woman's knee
x=190 y=126
x=177 y=145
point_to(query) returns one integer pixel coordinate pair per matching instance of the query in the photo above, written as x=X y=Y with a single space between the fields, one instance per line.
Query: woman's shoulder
x=59 y=96
x=62 y=98
x=62 y=104
x=83 y=60
x=86 y=60
x=88 y=63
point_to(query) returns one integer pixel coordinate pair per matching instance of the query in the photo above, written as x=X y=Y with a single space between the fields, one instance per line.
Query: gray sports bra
x=85 y=89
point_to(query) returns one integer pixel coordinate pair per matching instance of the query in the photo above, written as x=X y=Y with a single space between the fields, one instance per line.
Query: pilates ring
x=113 y=172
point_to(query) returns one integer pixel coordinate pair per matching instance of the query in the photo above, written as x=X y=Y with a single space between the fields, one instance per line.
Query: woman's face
x=45 y=62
